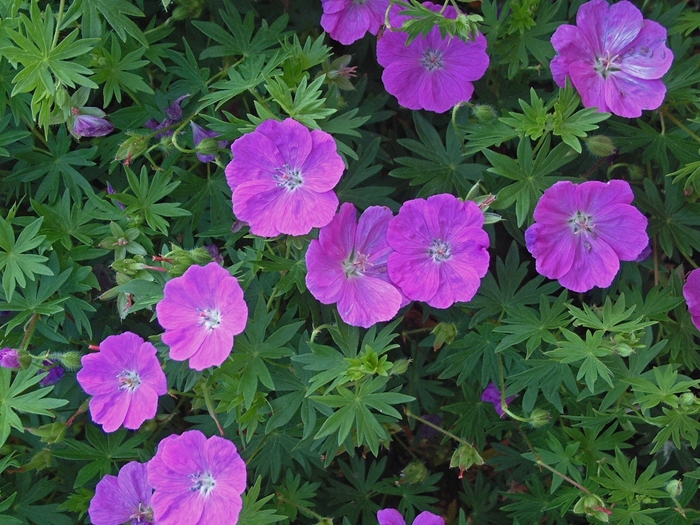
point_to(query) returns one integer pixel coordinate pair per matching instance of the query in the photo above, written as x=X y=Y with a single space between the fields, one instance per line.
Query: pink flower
x=347 y=265
x=201 y=311
x=613 y=57
x=123 y=498
x=432 y=72
x=492 y=394
x=124 y=379
x=394 y=517
x=282 y=176
x=9 y=358
x=691 y=292
x=440 y=250
x=349 y=20
x=583 y=231
x=197 y=481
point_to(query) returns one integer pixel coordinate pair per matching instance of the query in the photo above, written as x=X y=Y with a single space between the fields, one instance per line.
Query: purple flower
x=613 y=57
x=583 y=231
x=173 y=116
x=56 y=373
x=691 y=292
x=348 y=20
x=124 y=379
x=112 y=191
x=86 y=125
x=123 y=498
x=197 y=481
x=347 y=265
x=393 y=517
x=492 y=394
x=442 y=241
x=282 y=176
x=9 y=358
x=213 y=250
x=432 y=72
x=199 y=134
x=201 y=311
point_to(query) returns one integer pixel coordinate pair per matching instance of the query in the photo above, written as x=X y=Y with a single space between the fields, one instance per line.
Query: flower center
x=203 y=482
x=604 y=65
x=129 y=380
x=288 y=178
x=440 y=250
x=432 y=60
x=581 y=223
x=209 y=318
x=356 y=265
x=142 y=513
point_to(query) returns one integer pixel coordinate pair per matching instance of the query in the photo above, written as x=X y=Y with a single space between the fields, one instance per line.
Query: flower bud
x=399 y=367
x=600 y=145
x=70 y=360
x=674 y=488
x=539 y=418
x=131 y=148
x=592 y=505
x=90 y=126
x=687 y=399
x=444 y=333
x=484 y=113
x=9 y=358
x=325 y=521
x=183 y=259
x=464 y=457
x=415 y=472
x=50 y=433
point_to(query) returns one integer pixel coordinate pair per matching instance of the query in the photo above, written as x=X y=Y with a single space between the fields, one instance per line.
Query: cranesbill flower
x=90 y=124
x=492 y=394
x=55 y=373
x=199 y=135
x=124 y=379
x=282 y=176
x=348 y=20
x=197 y=481
x=201 y=311
x=123 y=498
x=432 y=72
x=583 y=231
x=9 y=358
x=347 y=265
x=440 y=250
x=394 y=517
x=614 y=58
x=691 y=292
x=173 y=115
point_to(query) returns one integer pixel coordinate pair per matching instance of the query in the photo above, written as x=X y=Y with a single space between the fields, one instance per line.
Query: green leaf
x=253 y=511
x=575 y=349
x=610 y=318
x=113 y=72
x=620 y=477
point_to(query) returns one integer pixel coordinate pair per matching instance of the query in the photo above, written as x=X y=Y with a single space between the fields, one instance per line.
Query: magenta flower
x=9 y=358
x=173 y=115
x=492 y=394
x=442 y=241
x=282 y=176
x=583 y=231
x=347 y=265
x=124 y=379
x=197 y=481
x=201 y=311
x=200 y=134
x=432 y=72
x=123 y=498
x=691 y=292
x=90 y=125
x=394 y=517
x=348 y=20
x=614 y=58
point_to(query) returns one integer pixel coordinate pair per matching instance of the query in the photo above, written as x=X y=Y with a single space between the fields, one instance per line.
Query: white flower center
x=440 y=250
x=581 y=223
x=203 y=482
x=129 y=380
x=432 y=60
x=209 y=318
x=142 y=513
x=604 y=65
x=356 y=265
x=288 y=178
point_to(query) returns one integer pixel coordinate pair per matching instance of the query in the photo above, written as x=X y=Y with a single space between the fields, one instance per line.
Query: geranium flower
x=173 y=115
x=432 y=72
x=201 y=311
x=282 y=176
x=197 y=481
x=613 y=57
x=123 y=498
x=89 y=122
x=347 y=265
x=583 y=231
x=348 y=20
x=691 y=292
x=9 y=358
x=124 y=379
x=55 y=373
x=440 y=250
x=492 y=394
x=200 y=134
x=394 y=517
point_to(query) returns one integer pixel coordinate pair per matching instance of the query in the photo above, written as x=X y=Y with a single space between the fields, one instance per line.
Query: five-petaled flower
x=432 y=72
x=583 y=231
x=691 y=292
x=348 y=20
x=492 y=394
x=124 y=379
x=394 y=517
x=440 y=239
x=123 y=498
x=282 y=176
x=347 y=265
x=614 y=58
x=201 y=311
x=197 y=481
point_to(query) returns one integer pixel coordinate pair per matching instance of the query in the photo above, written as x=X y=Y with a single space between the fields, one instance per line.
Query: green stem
x=563 y=476
x=317 y=331
x=29 y=331
x=59 y=19
x=435 y=427
x=681 y=125
x=210 y=408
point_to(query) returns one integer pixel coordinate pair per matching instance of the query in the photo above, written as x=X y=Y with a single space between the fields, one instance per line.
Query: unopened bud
x=399 y=367
x=50 y=433
x=636 y=172
x=484 y=113
x=183 y=259
x=70 y=360
x=600 y=145
x=464 y=457
x=325 y=521
x=415 y=472
x=674 y=488
x=539 y=418
x=687 y=399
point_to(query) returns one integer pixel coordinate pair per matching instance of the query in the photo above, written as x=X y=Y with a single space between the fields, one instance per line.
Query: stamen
x=440 y=250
